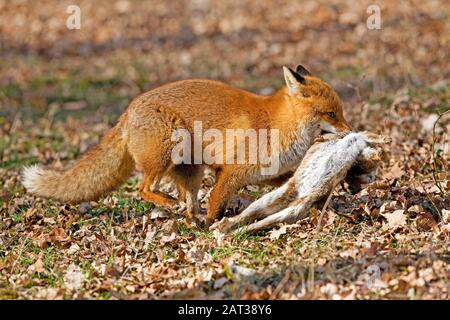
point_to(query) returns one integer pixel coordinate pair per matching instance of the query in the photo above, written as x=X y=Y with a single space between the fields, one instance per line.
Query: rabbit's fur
x=326 y=164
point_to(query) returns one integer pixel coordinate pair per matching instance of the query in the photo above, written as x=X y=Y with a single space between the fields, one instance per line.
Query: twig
x=310 y=280
x=436 y=181
x=349 y=217
x=324 y=208
x=430 y=199
x=22 y=247
x=280 y=285
x=356 y=89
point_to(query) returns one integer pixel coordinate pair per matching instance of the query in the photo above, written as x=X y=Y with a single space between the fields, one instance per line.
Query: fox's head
x=314 y=101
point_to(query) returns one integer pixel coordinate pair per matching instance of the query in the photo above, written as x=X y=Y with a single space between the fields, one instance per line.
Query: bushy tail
x=100 y=170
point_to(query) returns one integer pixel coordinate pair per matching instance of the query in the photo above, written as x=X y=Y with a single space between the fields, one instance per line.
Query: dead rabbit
x=325 y=165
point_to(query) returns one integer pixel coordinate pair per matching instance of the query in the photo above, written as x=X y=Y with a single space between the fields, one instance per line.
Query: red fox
x=325 y=165
x=143 y=138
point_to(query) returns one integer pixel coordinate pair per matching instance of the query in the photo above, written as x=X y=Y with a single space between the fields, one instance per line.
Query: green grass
x=104 y=295
x=39 y=92
x=26 y=261
x=8 y=293
x=256 y=254
x=17 y=216
x=16 y=162
x=184 y=230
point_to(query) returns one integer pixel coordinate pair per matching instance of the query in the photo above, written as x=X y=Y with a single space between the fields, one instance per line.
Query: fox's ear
x=301 y=70
x=293 y=80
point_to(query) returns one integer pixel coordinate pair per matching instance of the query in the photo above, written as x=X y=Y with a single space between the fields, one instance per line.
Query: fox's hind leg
x=188 y=179
x=150 y=144
x=149 y=191
x=154 y=170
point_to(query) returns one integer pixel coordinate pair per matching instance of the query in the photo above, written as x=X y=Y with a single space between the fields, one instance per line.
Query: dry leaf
x=219 y=236
x=168 y=239
x=396 y=171
x=395 y=220
x=74 y=277
x=276 y=233
x=38 y=266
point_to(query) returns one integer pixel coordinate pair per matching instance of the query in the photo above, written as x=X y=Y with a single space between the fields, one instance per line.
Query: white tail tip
x=30 y=178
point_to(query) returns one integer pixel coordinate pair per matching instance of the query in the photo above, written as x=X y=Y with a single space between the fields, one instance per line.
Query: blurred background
x=125 y=47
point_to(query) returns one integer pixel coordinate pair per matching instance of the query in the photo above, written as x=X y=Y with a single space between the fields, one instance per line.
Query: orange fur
x=142 y=137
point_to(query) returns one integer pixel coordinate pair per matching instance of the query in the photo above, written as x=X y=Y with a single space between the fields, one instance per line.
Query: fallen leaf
x=58 y=236
x=73 y=248
x=426 y=222
x=395 y=172
x=277 y=233
x=395 y=220
x=168 y=239
x=219 y=236
x=74 y=277
x=158 y=213
x=349 y=253
x=38 y=266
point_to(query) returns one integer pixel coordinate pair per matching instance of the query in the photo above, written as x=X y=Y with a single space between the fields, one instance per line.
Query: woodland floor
x=60 y=90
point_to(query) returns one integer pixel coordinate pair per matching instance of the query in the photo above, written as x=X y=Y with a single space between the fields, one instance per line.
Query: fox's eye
x=332 y=115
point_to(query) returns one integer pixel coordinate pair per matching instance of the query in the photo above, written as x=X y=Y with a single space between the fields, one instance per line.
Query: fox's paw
x=192 y=221
x=224 y=225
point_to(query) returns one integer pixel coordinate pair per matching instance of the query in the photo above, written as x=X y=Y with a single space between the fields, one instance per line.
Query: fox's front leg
x=261 y=208
x=227 y=183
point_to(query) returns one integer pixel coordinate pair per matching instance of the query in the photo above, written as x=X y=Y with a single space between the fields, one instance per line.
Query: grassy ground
x=60 y=90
